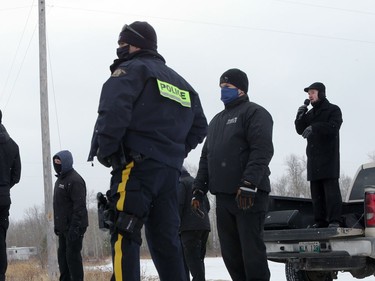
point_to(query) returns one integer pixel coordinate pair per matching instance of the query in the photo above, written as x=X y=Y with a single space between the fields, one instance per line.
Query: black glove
x=302 y=109
x=56 y=231
x=196 y=202
x=246 y=195
x=307 y=132
x=73 y=233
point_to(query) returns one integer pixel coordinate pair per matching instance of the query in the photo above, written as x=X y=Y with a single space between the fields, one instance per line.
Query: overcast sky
x=282 y=45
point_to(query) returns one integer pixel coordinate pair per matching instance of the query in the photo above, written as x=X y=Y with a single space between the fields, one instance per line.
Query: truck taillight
x=370 y=209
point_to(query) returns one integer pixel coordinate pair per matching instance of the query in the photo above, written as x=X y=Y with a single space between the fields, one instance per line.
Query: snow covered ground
x=216 y=271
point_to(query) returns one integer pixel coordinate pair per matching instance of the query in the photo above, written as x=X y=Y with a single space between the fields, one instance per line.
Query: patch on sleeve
x=173 y=93
x=118 y=72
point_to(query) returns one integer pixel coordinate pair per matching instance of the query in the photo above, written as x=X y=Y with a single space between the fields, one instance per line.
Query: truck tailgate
x=311 y=234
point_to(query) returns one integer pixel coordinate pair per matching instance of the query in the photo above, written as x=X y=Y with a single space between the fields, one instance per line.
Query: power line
x=230 y=26
x=15 y=8
x=19 y=71
x=306 y=34
x=327 y=7
x=54 y=94
x=15 y=55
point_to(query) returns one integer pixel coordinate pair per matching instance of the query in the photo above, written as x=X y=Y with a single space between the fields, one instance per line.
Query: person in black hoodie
x=194 y=228
x=10 y=174
x=234 y=167
x=70 y=216
x=149 y=119
x=321 y=126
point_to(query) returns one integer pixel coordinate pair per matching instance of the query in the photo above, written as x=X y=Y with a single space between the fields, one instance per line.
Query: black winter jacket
x=323 y=146
x=69 y=197
x=189 y=220
x=238 y=147
x=147 y=107
x=10 y=165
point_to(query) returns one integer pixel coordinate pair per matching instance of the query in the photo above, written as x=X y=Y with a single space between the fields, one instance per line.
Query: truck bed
x=297 y=213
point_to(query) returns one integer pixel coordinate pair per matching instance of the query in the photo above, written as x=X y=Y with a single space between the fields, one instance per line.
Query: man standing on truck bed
x=320 y=126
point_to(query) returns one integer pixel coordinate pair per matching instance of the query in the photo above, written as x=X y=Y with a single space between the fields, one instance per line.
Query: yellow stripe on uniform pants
x=122 y=185
x=117 y=263
x=117 y=266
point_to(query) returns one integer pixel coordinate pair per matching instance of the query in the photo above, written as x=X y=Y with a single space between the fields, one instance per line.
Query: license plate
x=309 y=247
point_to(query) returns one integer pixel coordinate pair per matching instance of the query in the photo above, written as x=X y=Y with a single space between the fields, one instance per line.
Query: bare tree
x=345 y=183
x=371 y=156
x=293 y=183
x=280 y=187
x=30 y=232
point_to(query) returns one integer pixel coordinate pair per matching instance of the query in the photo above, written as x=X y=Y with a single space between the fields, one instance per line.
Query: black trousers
x=4 y=224
x=147 y=191
x=69 y=258
x=194 y=248
x=241 y=237
x=327 y=202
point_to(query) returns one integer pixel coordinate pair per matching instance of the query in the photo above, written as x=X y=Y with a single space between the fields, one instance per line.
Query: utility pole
x=46 y=147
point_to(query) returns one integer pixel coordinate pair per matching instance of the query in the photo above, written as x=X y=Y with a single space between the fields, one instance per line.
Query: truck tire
x=293 y=274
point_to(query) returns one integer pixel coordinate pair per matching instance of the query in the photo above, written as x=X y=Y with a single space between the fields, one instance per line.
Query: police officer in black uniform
x=234 y=167
x=149 y=120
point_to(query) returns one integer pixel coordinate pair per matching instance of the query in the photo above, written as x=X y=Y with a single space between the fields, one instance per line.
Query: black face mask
x=57 y=167
x=123 y=52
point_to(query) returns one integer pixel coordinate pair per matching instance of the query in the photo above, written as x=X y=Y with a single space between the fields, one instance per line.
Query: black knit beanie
x=319 y=87
x=139 y=34
x=237 y=78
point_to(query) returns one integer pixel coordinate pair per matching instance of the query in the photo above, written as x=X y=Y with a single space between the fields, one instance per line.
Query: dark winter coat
x=69 y=197
x=147 y=107
x=10 y=165
x=238 y=147
x=189 y=220
x=323 y=146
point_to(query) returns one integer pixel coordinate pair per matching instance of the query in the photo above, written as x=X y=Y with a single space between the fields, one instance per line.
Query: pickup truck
x=318 y=254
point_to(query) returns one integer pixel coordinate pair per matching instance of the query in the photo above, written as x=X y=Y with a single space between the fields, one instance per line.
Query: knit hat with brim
x=319 y=87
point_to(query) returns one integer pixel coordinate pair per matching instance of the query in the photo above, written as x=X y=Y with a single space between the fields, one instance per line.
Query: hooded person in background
x=10 y=174
x=149 y=119
x=320 y=126
x=70 y=216
x=234 y=167
x=194 y=228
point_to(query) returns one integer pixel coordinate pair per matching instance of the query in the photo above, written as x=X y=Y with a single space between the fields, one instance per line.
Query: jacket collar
x=138 y=54
x=237 y=101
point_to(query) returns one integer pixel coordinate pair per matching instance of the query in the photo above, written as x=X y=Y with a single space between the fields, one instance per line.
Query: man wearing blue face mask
x=234 y=167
